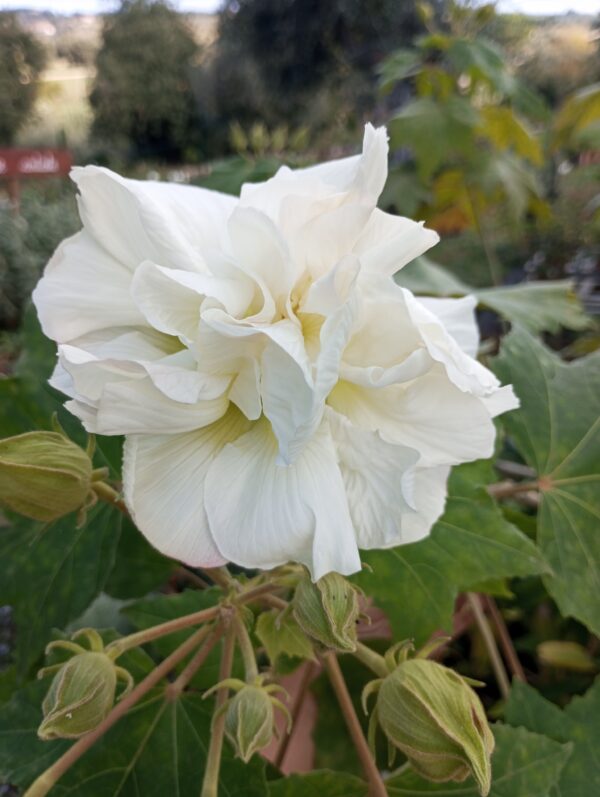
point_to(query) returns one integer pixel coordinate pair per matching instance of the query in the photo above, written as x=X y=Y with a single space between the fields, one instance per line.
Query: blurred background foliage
x=494 y=123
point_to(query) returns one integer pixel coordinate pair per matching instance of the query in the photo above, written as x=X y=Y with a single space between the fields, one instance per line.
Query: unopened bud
x=249 y=721
x=434 y=717
x=328 y=611
x=43 y=475
x=80 y=696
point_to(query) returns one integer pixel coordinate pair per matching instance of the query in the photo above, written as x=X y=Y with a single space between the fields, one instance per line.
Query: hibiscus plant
x=277 y=473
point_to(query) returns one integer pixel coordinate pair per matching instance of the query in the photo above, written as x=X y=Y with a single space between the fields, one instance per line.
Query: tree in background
x=304 y=61
x=141 y=97
x=22 y=58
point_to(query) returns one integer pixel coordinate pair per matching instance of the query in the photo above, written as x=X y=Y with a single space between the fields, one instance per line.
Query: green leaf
x=579 y=724
x=52 y=574
x=139 y=568
x=323 y=783
x=158 y=748
x=523 y=765
x=417 y=584
x=557 y=430
x=538 y=306
x=436 y=131
x=281 y=635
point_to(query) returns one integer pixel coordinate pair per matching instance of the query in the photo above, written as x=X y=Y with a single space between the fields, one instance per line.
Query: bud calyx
x=327 y=610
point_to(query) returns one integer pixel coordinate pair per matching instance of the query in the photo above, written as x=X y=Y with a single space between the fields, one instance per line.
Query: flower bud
x=249 y=721
x=431 y=714
x=328 y=610
x=43 y=475
x=80 y=696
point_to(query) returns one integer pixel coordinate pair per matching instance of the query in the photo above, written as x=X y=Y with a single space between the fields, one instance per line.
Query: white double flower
x=282 y=398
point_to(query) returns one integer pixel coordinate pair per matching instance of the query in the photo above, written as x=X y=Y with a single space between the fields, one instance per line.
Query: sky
x=93 y=6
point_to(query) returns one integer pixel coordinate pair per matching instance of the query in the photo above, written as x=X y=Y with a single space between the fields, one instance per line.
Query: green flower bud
x=80 y=696
x=431 y=714
x=43 y=475
x=328 y=610
x=249 y=721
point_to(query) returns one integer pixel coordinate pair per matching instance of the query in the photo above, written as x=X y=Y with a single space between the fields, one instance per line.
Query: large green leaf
x=50 y=575
x=139 y=568
x=417 y=584
x=579 y=724
x=538 y=306
x=157 y=749
x=323 y=783
x=557 y=430
x=523 y=765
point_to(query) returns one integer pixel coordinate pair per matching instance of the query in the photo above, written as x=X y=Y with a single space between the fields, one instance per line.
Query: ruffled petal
x=429 y=414
x=164 y=478
x=138 y=407
x=430 y=492
x=387 y=243
x=262 y=514
x=171 y=299
x=84 y=289
x=379 y=478
x=143 y=220
x=293 y=197
x=458 y=318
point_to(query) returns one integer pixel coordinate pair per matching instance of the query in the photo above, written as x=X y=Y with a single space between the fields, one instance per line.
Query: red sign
x=34 y=162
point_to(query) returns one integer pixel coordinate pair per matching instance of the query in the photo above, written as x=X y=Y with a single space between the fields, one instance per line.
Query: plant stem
x=210 y=784
x=506 y=489
x=510 y=654
x=42 y=785
x=119 y=646
x=174 y=689
x=376 y=784
x=111 y=496
x=221 y=576
x=371 y=659
x=246 y=648
x=490 y=644
x=169 y=627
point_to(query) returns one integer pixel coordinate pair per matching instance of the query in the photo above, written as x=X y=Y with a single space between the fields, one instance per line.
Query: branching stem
x=210 y=784
x=371 y=659
x=174 y=689
x=246 y=648
x=376 y=784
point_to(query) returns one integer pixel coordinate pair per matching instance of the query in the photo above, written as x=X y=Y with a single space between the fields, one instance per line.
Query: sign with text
x=43 y=162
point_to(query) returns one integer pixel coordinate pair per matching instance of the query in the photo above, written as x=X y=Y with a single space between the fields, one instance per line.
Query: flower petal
x=143 y=220
x=378 y=477
x=135 y=407
x=458 y=318
x=262 y=514
x=387 y=243
x=171 y=299
x=84 y=289
x=430 y=494
x=164 y=477
x=429 y=414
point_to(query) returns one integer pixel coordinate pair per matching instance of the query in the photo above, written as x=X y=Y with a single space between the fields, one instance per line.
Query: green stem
x=174 y=689
x=119 y=646
x=490 y=644
x=210 y=784
x=48 y=779
x=376 y=784
x=372 y=660
x=247 y=649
